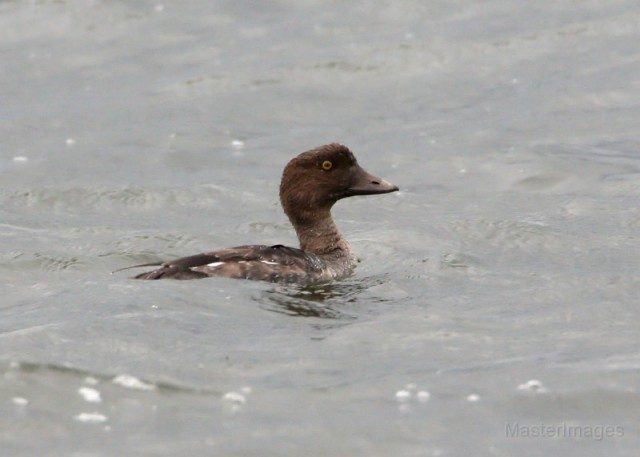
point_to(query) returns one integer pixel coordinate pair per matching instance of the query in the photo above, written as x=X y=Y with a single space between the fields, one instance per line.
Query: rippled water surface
x=494 y=310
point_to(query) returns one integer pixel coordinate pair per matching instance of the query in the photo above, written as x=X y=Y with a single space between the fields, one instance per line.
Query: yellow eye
x=327 y=165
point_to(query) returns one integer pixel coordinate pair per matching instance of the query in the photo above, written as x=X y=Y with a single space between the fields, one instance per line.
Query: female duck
x=311 y=183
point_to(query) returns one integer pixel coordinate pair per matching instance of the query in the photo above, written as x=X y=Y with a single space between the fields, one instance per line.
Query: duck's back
x=258 y=262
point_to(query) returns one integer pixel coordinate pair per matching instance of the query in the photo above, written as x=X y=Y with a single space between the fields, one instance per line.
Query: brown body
x=311 y=183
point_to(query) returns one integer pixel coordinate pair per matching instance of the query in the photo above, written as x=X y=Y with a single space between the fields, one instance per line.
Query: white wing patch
x=269 y=262
x=215 y=264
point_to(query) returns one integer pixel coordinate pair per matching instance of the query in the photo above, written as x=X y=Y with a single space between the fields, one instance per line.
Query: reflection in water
x=326 y=301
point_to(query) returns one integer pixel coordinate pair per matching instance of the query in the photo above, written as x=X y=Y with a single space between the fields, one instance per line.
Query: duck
x=311 y=184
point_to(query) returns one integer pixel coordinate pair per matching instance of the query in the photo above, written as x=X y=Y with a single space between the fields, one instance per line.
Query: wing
x=276 y=263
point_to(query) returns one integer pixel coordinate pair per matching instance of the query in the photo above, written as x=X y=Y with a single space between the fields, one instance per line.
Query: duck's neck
x=320 y=235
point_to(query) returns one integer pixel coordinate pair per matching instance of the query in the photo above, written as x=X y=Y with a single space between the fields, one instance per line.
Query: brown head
x=313 y=181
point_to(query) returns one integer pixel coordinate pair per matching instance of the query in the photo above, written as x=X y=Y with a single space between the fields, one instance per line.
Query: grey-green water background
x=496 y=294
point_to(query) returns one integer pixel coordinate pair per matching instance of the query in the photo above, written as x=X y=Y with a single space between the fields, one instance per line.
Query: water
x=496 y=294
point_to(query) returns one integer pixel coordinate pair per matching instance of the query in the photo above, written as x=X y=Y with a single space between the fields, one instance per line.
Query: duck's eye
x=327 y=165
